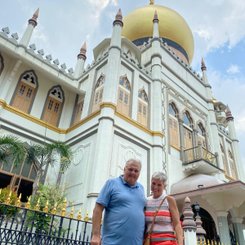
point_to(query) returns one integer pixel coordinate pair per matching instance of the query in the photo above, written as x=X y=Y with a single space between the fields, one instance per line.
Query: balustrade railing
x=199 y=153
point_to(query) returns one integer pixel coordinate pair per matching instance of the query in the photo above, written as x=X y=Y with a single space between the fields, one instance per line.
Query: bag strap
x=155 y=214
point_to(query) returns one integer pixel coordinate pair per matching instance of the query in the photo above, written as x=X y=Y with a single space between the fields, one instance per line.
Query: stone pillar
x=238 y=228
x=189 y=225
x=223 y=227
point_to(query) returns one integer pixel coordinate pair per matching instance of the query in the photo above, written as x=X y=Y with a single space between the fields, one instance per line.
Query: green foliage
x=8 y=211
x=12 y=148
x=55 y=198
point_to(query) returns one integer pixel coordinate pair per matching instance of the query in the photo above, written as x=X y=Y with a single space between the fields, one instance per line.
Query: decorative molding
x=138 y=125
x=86 y=119
x=40 y=122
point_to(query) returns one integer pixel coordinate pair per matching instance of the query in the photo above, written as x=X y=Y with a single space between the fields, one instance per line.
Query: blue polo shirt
x=124 y=220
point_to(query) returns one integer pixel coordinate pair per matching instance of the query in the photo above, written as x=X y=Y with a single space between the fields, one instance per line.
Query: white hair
x=160 y=176
x=133 y=160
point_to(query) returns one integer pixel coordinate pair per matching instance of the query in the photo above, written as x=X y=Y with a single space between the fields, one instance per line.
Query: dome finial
x=152 y=2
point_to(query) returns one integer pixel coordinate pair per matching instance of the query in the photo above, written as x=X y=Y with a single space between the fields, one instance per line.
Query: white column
x=223 y=227
x=99 y=169
x=238 y=227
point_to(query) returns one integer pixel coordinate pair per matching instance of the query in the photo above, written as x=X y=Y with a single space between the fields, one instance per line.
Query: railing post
x=189 y=225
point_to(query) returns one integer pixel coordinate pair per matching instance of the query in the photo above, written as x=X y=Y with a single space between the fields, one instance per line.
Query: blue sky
x=217 y=27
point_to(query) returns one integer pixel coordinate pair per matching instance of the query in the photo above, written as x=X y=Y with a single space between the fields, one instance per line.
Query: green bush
x=8 y=210
x=55 y=198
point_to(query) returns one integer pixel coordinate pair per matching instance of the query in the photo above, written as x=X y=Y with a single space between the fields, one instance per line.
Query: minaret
x=213 y=129
x=32 y=23
x=155 y=25
x=235 y=145
x=102 y=166
x=81 y=58
x=156 y=94
x=114 y=61
x=204 y=74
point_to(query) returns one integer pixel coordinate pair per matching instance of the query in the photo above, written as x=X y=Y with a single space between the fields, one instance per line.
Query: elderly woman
x=161 y=215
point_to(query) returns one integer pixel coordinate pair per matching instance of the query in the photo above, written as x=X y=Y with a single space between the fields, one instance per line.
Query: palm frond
x=12 y=148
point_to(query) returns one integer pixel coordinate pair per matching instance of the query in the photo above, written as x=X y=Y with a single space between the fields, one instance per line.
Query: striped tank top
x=163 y=228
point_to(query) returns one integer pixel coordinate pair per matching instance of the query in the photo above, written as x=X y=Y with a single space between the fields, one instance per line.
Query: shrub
x=8 y=210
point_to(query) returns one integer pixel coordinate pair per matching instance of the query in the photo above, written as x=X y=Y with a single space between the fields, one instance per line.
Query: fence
x=21 y=225
x=207 y=242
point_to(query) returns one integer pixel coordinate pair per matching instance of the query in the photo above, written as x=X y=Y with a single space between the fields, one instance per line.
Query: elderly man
x=123 y=200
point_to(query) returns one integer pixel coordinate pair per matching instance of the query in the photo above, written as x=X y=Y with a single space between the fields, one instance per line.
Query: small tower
x=32 y=23
x=204 y=74
x=109 y=100
x=81 y=58
x=155 y=25
x=114 y=60
x=189 y=225
x=235 y=145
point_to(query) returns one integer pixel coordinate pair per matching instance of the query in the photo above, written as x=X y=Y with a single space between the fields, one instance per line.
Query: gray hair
x=160 y=176
x=131 y=160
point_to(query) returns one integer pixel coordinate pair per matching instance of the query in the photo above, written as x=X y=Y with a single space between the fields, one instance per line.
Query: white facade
x=103 y=139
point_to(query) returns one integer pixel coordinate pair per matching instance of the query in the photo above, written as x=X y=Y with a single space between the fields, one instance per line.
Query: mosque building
x=139 y=98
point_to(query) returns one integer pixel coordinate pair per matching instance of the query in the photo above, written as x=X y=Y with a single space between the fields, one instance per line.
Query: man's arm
x=96 y=224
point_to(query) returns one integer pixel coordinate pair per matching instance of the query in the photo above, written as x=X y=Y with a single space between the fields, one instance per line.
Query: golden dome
x=138 y=24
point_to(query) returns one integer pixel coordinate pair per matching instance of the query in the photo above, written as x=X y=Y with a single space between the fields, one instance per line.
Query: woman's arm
x=175 y=218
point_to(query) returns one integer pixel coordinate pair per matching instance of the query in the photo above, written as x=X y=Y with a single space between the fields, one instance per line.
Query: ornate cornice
x=38 y=121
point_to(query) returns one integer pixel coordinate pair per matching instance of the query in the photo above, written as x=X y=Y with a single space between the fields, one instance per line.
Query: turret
x=32 y=23
x=204 y=74
x=117 y=30
x=235 y=145
x=155 y=25
x=81 y=58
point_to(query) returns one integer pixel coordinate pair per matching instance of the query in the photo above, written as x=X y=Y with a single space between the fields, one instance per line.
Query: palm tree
x=12 y=148
x=39 y=155
x=42 y=157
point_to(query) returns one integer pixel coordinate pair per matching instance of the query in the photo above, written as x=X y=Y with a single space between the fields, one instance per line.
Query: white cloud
x=240 y=124
x=233 y=69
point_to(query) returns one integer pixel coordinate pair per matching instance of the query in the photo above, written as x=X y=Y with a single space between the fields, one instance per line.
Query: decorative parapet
x=39 y=54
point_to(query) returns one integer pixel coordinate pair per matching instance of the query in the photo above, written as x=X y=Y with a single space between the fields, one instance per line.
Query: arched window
x=188 y=130
x=173 y=126
x=123 y=98
x=53 y=106
x=233 y=171
x=98 y=93
x=226 y=168
x=143 y=107
x=78 y=108
x=25 y=91
x=1 y=64
x=201 y=135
